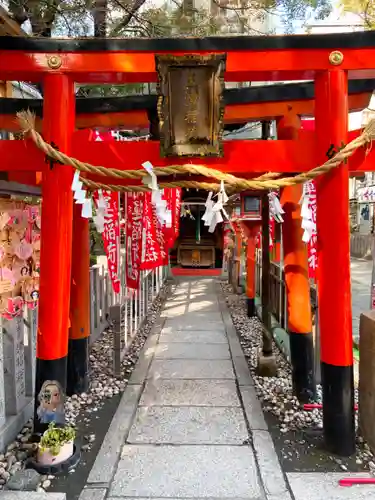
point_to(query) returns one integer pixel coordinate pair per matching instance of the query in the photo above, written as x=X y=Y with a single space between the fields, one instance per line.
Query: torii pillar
x=334 y=292
x=56 y=250
x=297 y=280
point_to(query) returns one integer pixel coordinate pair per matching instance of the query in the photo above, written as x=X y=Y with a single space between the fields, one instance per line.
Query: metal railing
x=128 y=316
x=102 y=298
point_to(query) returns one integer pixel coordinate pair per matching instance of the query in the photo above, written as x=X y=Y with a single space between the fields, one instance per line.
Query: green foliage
x=137 y=18
x=110 y=90
x=167 y=21
x=55 y=437
x=365 y=9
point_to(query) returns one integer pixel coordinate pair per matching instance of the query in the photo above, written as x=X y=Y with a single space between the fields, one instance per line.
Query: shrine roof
x=334 y=41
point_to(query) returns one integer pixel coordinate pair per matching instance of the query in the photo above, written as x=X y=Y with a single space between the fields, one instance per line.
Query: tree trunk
x=100 y=18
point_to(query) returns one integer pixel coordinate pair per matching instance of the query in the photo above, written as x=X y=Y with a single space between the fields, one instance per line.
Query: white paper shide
x=214 y=212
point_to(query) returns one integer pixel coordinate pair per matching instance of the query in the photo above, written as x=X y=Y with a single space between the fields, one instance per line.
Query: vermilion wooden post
x=79 y=333
x=297 y=280
x=334 y=293
x=250 y=275
x=56 y=242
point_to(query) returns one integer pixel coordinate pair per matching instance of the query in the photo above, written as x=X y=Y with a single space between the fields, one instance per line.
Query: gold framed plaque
x=190 y=104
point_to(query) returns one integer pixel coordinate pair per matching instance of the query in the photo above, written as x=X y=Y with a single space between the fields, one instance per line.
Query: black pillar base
x=78 y=366
x=251 y=311
x=338 y=409
x=53 y=370
x=302 y=361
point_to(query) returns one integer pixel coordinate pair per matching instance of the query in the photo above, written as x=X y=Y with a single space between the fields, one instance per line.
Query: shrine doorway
x=196 y=247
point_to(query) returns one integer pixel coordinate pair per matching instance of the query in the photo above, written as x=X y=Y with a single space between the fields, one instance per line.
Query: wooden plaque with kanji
x=190 y=104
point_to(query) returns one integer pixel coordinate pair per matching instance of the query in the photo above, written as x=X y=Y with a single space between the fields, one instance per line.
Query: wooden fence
x=361 y=245
x=279 y=311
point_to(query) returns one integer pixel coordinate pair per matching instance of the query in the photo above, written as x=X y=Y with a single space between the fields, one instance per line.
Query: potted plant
x=56 y=445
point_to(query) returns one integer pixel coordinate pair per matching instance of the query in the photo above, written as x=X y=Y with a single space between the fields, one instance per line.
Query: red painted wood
x=57 y=216
x=334 y=291
x=241 y=157
x=244 y=65
x=182 y=271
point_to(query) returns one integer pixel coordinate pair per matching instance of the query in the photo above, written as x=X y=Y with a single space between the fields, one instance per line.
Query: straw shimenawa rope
x=268 y=181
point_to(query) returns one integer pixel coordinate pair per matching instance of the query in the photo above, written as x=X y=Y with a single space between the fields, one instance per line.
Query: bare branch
x=131 y=11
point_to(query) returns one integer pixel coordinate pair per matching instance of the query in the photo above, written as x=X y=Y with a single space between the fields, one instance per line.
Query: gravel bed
x=296 y=433
x=82 y=410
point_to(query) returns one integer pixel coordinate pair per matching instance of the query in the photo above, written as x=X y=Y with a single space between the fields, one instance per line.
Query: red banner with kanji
x=151 y=254
x=160 y=238
x=176 y=213
x=173 y=199
x=111 y=235
x=258 y=239
x=133 y=248
x=311 y=246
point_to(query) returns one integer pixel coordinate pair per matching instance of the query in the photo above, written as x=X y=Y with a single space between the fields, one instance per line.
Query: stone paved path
x=189 y=425
x=185 y=424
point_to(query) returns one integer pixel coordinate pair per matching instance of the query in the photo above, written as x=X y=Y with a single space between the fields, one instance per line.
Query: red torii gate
x=329 y=60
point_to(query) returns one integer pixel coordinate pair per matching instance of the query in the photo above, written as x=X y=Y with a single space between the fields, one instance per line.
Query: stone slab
x=190 y=393
x=324 y=486
x=242 y=370
x=186 y=472
x=269 y=466
x=179 y=309
x=93 y=494
x=31 y=495
x=187 y=318
x=198 y=337
x=235 y=347
x=191 y=369
x=189 y=425
x=139 y=373
x=192 y=351
x=283 y=496
x=106 y=460
x=253 y=409
x=193 y=323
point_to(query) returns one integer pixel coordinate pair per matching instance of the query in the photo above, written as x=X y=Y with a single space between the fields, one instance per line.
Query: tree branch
x=137 y=4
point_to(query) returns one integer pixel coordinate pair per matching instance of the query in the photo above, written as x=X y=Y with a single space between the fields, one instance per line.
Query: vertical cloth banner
x=173 y=198
x=151 y=255
x=111 y=235
x=160 y=238
x=311 y=245
x=177 y=211
x=133 y=246
x=258 y=239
